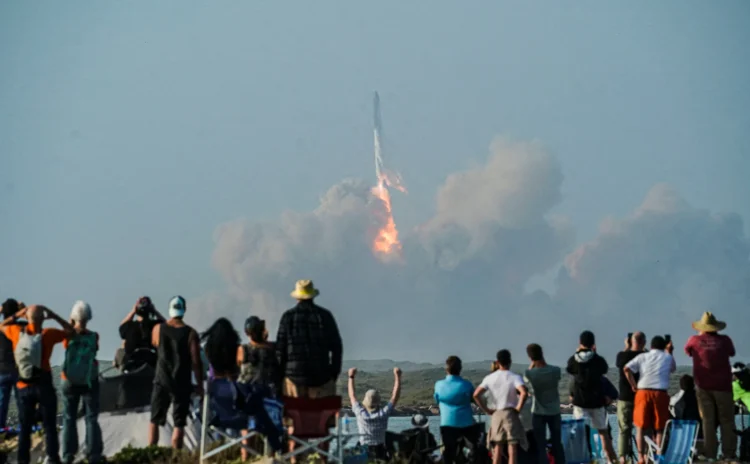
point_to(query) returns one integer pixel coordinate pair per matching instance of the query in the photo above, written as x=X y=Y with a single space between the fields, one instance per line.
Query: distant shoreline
x=433 y=411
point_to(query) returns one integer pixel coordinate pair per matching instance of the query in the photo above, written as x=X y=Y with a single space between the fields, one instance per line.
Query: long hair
x=221 y=346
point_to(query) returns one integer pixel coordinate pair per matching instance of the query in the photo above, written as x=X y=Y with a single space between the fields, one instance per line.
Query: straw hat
x=709 y=323
x=304 y=290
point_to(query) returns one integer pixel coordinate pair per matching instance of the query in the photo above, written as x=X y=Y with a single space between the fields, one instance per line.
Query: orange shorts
x=651 y=409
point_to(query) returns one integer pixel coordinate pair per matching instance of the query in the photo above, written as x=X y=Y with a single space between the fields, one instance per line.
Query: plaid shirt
x=372 y=425
x=309 y=345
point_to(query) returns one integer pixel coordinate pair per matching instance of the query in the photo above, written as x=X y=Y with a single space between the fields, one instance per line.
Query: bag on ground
x=28 y=354
x=80 y=366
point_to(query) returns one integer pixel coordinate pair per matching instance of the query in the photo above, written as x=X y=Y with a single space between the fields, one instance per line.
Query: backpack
x=80 y=365
x=28 y=354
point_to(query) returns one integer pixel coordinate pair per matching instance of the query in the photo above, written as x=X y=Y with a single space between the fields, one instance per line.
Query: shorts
x=162 y=397
x=292 y=390
x=506 y=427
x=651 y=409
x=597 y=417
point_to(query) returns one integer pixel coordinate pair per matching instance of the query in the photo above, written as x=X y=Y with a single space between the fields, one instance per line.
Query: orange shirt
x=65 y=345
x=50 y=338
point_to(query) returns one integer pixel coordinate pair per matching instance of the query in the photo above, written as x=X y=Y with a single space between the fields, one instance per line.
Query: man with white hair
x=80 y=383
x=372 y=416
x=32 y=347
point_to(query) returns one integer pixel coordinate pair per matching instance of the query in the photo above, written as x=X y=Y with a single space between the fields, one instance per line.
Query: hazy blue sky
x=130 y=130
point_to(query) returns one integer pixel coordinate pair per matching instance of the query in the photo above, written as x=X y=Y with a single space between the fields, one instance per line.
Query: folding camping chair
x=220 y=413
x=575 y=440
x=412 y=446
x=310 y=426
x=681 y=437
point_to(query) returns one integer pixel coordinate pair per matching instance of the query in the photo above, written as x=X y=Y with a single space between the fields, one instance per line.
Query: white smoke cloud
x=659 y=269
x=460 y=289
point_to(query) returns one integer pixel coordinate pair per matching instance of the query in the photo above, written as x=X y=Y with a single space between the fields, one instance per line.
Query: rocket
x=377 y=133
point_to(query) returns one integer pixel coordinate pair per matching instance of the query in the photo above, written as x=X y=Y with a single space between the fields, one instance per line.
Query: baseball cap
x=177 y=306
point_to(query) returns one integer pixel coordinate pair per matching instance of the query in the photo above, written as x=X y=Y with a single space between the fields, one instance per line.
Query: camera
x=630 y=339
x=668 y=338
x=144 y=307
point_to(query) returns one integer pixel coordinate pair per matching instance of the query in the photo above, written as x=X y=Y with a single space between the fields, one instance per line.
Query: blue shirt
x=454 y=396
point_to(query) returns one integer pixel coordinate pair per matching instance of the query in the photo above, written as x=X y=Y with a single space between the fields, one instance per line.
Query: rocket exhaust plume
x=386 y=243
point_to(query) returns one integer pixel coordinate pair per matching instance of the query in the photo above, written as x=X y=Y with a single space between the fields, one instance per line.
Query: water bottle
x=345 y=425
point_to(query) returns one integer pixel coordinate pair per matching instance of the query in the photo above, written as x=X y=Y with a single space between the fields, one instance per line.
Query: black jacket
x=308 y=345
x=587 y=369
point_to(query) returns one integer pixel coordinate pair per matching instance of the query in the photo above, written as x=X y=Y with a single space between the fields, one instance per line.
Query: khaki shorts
x=506 y=427
x=292 y=390
x=597 y=417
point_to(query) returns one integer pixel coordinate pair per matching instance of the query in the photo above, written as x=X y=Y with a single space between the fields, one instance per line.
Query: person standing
x=32 y=348
x=8 y=368
x=135 y=332
x=308 y=347
x=454 y=396
x=508 y=394
x=651 y=410
x=634 y=345
x=587 y=369
x=80 y=383
x=178 y=360
x=712 y=371
x=544 y=380
x=372 y=416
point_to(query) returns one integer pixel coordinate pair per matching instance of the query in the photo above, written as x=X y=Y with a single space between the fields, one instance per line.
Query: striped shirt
x=372 y=425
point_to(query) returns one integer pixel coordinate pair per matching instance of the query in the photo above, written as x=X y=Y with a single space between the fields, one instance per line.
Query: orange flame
x=386 y=241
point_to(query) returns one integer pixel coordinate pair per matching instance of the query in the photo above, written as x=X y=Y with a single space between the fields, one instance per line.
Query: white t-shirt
x=502 y=387
x=654 y=368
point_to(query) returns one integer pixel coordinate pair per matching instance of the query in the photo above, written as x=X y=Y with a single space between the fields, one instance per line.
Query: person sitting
x=221 y=347
x=420 y=426
x=372 y=417
x=741 y=384
x=35 y=387
x=135 y=332
x=416 y=444
x=257 y=358
x=741 y=394
x=453 y=395
x=683 y=405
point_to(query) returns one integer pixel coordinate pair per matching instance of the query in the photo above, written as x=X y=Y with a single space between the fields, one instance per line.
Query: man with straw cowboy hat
x=712 y=370
x=308 y=346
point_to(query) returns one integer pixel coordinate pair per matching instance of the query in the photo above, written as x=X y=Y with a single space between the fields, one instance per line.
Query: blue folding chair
x=575 y=441
x=220 y=413
x=680 y=437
